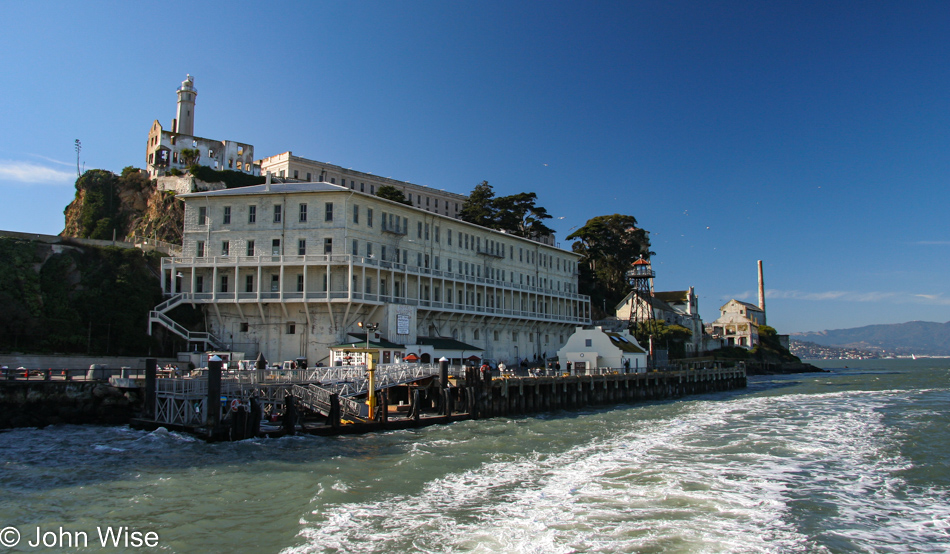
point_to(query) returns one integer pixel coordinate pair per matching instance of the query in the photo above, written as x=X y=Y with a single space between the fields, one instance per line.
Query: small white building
x=594 y=348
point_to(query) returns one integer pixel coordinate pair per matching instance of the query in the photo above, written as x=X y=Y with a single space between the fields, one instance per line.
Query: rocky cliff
x=110 y=206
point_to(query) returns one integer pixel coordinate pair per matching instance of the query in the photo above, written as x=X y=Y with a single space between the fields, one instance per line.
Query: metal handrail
x=170 y=303
x=180 y=330
x=318 y=399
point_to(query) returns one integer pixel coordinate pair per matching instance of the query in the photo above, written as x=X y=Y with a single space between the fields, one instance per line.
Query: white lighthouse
x=185 y=122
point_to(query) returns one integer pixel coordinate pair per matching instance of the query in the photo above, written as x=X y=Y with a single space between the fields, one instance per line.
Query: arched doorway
x=426 y=358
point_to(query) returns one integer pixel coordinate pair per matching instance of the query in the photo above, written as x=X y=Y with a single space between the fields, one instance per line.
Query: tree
x=608 y=244
x=99 y=216
x=389 y=192
x=671 y=337
x=231 y=179
x=518 y=215
x=133 y=178
x=189 y=156
x=770 y=349
x=480 y=206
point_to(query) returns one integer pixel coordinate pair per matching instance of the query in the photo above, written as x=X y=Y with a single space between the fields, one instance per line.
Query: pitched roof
x=746 y=304
x=654 y=301
x=733 y=318
x=275 y=188
x=673 y=296
x=624 y=343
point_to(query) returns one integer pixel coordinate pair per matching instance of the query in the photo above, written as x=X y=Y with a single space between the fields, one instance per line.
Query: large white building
x=290 y=167
x=286 y=166
x=290 y=270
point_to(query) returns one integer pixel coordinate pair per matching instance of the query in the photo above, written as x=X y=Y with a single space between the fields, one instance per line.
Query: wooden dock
x=425 y=401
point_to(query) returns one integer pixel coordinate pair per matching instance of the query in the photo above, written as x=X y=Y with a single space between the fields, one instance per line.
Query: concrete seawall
x=42 y=403
x=75 y=362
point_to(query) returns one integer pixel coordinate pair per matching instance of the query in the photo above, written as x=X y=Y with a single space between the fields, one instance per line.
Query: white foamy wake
x=795 y=473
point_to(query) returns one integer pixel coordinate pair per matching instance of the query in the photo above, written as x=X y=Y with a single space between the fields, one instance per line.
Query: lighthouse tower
x=185 y=122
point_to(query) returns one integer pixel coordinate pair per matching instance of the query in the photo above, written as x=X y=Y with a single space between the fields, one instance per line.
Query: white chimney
x=761 y=289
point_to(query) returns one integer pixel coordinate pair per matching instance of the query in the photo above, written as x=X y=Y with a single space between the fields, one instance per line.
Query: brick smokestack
x=761 y=289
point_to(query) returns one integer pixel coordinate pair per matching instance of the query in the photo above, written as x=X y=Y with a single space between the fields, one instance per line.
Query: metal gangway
x=184 y=401
x=318 y=399
x=348 y=382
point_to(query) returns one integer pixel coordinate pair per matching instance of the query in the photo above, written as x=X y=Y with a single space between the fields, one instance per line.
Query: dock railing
x=318 y=399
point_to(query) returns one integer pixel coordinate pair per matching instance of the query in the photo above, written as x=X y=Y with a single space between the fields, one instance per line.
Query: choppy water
x=851 y=461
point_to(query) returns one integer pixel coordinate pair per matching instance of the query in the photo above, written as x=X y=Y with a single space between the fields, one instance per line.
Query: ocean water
x=854 y=460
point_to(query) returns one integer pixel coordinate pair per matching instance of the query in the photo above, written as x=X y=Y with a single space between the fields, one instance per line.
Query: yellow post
x=371 y=397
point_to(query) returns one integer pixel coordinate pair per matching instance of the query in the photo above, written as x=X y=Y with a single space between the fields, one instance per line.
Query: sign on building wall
x=402 y=324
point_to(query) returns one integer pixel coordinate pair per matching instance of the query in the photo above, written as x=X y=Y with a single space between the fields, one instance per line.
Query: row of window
x=372 y=190
x=291 y=328
x=422 y=260
x=398 y=255
x=393 y=223
x=200 y=250
x=463 y=296
x=278 y=214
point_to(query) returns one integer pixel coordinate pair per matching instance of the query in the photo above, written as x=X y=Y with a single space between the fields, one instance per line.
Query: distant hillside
x=914 y=337
x=812 y=351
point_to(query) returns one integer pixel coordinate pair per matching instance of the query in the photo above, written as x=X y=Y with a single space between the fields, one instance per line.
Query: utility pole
x=78 y=150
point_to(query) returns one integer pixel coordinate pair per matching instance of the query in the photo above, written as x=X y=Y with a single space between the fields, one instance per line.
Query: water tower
x=640 y=276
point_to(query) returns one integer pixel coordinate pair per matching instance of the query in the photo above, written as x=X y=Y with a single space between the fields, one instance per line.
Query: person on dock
x=290 y=415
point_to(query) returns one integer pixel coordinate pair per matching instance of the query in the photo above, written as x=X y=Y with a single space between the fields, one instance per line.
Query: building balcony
x=230 y=263
x=231 y=297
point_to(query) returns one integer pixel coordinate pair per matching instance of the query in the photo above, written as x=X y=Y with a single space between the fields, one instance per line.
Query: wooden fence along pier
x=221 y=405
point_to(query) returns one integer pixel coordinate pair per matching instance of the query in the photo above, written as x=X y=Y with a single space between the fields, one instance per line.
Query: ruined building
x=180 y=148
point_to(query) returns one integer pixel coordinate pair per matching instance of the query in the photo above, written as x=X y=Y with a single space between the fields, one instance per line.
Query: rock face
x=38 y=404
x=130 y=204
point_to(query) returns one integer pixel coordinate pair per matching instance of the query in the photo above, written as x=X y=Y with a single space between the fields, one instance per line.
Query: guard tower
x=185 y=122
x=640 y=276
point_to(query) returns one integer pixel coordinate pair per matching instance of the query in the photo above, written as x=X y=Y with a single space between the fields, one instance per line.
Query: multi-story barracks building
x=290 y=270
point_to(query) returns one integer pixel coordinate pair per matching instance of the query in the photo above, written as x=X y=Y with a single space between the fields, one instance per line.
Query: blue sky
x=811 y=135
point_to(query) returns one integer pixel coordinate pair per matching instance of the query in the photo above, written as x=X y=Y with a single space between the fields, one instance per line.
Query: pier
x=220 y=405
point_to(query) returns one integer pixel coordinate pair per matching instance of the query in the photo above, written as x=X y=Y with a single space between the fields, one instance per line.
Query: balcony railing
x=230 y=262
